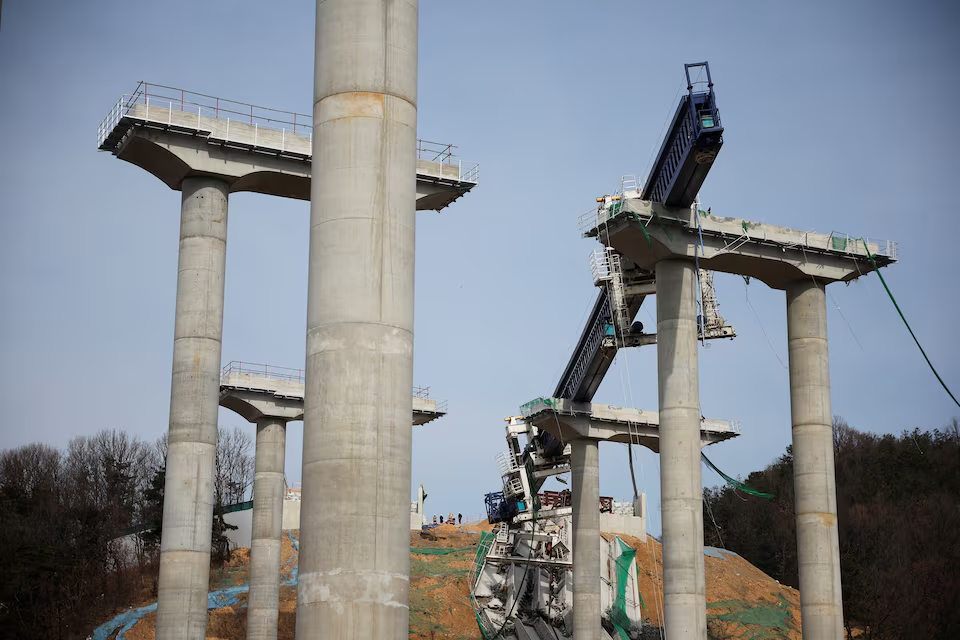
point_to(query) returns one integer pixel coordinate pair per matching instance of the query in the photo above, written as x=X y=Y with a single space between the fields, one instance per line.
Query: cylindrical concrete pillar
x=814 y=479
x=354 y=547
x=195 y=387
x=585 y=477
x=263 y=609
x=684 y=584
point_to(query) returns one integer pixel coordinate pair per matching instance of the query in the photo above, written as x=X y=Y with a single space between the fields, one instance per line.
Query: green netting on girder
x=839 y=244
x=618 y=612
x=486 y=540
x=736 y=483
x=642 y=228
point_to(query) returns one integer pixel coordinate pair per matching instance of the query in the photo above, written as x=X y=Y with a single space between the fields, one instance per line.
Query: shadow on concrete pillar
x=818 y=544
x=585 y=481
x=355 y=511
x=194 y=392
x=684 y=590
x=263 y=608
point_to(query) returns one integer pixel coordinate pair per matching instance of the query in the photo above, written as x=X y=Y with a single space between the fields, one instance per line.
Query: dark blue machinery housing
x=499 y=509
x=690 y=147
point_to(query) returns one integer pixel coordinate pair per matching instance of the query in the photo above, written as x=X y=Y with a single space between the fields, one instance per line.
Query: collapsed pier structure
x=656 y=240
x=523 y=575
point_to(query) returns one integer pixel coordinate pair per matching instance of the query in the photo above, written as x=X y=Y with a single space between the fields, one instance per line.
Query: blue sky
x=838 y=116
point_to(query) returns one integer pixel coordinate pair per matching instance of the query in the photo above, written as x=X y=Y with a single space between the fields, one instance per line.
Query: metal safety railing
x=443 y=154
x=424 y=392
x=506 y=463
x=238 y=368
x=213 y=116
x=846 y=243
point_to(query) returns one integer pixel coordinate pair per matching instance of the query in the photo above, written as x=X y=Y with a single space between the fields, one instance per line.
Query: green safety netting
x=486 y=540
x=618 y=612
x=437 y=551
x=736 y=483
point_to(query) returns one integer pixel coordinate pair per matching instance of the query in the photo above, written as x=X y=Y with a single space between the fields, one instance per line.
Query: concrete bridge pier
x=818 y=545
x=263 y=611
x=194 y=399
x=354 y=574
x=684 y=590
x=585 y=481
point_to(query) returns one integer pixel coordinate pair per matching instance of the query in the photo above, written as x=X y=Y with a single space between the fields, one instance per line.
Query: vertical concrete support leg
x=684 y=590
x=264 y=601
x=585 y=476
x=188 y=503
x=354 y=548
x=818 y=545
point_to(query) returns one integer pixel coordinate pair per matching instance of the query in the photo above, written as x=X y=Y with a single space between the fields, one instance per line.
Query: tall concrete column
x=195 y=387
x=263 y=610
x=585 y=477
x=355 y=539
x=684 y=585
x=814 y=479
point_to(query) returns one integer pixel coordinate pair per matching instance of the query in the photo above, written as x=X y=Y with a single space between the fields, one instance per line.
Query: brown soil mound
x=742 y=601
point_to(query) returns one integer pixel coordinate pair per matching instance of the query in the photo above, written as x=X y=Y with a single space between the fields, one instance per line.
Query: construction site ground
x=742 y=602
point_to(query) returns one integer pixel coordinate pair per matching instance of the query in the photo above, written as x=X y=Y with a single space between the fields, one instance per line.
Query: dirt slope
x=742 y=602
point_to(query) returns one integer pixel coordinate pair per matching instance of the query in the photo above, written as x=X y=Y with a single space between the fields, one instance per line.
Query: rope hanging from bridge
x=907 y=324
x=736 y=483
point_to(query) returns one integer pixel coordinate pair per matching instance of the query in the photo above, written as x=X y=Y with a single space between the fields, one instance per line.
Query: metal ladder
x=512 y=486
x=710 y=310
x=608 y=273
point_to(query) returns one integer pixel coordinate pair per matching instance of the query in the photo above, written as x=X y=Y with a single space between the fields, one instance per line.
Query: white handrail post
x=170 y=115
x=283 y=138
x=227 y=137
x=256 y=132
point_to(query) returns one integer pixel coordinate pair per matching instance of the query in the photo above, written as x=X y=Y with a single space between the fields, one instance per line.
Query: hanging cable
x=736 y=483
x=706 y=503
x=762 y=330
x=907 y=324
x=845 y=321
x=657 y=596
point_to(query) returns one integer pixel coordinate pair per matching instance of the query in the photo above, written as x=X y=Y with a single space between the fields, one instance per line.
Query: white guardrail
x=256 y=127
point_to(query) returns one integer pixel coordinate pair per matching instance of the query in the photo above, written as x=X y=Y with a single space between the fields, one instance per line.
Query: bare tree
x=235 y=466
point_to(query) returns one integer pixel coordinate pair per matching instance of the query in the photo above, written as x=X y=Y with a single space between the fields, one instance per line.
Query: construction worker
x=441 y=518
x=459 y=518
x=434 y=518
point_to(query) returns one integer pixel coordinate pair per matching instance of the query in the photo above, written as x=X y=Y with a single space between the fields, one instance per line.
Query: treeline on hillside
x=80 y=528
x=898 y=502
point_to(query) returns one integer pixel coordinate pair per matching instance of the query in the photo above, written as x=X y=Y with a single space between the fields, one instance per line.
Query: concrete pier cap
x=254 y=391
x=773 y=254
x=176 y=134
x=569 y=420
